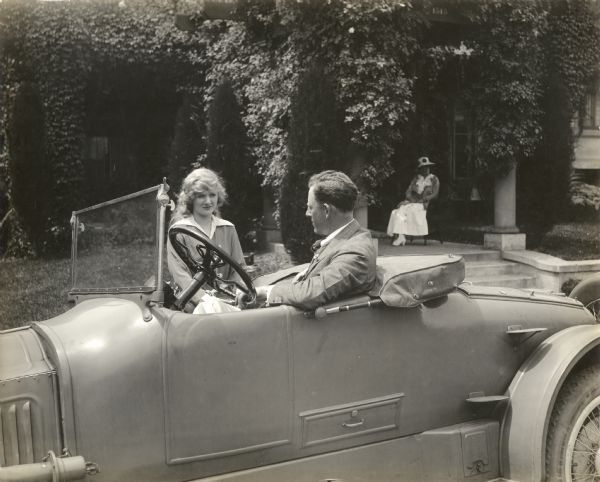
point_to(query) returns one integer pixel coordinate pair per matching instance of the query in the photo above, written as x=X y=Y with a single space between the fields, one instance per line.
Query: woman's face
x=205 y=203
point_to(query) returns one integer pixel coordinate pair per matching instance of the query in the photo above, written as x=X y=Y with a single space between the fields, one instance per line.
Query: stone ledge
x=546 y=262
x=504 y=241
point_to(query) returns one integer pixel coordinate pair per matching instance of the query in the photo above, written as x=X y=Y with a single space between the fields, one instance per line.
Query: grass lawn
x=32 y=290
x=36 y=289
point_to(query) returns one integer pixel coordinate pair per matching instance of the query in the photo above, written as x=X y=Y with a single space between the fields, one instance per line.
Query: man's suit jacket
x=344 y=267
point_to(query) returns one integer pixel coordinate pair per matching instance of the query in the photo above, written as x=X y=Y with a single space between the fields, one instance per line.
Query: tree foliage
x=572 y=60
x=365 y=47
x=394 y=78
x=505 y=81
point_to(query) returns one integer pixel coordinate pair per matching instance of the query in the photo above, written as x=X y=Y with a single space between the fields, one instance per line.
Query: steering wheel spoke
x=209 y=258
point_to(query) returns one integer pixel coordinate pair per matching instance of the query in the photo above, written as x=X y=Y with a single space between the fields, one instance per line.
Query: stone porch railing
x=552 y=271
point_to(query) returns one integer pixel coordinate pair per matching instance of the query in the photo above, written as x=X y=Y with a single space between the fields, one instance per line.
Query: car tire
x=573 y=443
x=592 y=303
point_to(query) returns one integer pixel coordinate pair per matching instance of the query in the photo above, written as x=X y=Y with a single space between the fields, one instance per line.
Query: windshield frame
x=154 y=292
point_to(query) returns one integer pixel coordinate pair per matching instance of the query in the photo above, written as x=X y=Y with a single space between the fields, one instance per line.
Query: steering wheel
x=203 y=265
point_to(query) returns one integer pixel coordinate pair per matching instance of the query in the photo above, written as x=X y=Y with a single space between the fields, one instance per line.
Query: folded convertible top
x=408 y=281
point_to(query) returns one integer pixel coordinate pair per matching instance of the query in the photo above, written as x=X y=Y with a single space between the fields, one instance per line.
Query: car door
x=368 y=375
x=262 y=386
x=228 y=389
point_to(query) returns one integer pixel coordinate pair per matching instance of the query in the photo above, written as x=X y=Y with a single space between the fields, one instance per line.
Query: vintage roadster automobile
x=426 y=378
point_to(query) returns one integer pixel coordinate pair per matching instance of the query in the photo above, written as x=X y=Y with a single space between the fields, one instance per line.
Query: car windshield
x=115 y=245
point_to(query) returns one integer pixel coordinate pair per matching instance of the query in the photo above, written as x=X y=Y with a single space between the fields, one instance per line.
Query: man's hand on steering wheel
x=243 y=301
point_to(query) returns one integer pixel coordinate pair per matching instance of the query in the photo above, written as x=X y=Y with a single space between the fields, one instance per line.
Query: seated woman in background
x=410 y=217
x=202 y=194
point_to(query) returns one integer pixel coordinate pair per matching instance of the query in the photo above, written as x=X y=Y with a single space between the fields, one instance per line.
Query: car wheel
x=573 y=443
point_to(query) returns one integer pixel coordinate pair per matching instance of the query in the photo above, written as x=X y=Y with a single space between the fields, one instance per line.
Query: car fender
x=532 y=394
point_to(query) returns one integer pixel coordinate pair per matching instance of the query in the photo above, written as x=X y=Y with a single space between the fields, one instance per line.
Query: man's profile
x=344 y=263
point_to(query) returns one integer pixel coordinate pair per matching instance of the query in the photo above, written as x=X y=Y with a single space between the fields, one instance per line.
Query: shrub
x=227 y=153
x=583 y=194
x=316 y=143
x=570 y=241
x=187 y=140
x=568 y=286
x=30 y=175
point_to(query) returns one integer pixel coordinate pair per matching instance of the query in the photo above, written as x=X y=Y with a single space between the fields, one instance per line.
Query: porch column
x=505 y=234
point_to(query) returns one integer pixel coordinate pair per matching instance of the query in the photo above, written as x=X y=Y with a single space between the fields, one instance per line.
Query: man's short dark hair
x=335 y=188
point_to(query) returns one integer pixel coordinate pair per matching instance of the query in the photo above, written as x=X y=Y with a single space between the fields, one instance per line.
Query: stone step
x=506 y=281
x=480 y=269
x=483 y=256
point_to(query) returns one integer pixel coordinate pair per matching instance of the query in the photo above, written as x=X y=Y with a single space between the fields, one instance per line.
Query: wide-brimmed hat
x=424 y=162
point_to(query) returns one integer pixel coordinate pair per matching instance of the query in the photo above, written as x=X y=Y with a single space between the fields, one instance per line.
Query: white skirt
x=211 y=304
x=409 y=219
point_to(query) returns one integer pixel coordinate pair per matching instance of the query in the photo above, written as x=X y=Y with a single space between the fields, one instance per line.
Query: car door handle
x=353 y=424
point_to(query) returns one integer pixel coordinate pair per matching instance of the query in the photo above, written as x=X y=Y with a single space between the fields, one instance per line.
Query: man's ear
x=327 y=209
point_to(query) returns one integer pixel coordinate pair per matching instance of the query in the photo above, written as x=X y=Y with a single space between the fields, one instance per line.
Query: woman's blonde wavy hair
x=201 y=179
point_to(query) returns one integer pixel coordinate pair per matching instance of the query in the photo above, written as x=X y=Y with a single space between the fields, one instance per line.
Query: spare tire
x=588 y=292
x=573 y=442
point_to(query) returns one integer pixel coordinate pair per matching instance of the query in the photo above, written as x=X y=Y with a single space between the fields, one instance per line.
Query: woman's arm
x=179 y=272
x=411 y=192
x=236 y=249
x=432 y=193
x=236 y=253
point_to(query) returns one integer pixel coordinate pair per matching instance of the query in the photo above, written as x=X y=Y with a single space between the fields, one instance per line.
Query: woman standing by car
x=202 y=194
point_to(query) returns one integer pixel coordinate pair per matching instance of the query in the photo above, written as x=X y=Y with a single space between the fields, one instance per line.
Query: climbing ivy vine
x=56 y=47
x=385 y=59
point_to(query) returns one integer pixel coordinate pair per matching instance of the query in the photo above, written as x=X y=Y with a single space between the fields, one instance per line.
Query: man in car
x=344 y=261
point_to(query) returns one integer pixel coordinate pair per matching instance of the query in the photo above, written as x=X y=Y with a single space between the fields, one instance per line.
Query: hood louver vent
x=16 y=433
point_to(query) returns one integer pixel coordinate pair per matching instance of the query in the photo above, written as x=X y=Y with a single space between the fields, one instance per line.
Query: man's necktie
x=315 y=247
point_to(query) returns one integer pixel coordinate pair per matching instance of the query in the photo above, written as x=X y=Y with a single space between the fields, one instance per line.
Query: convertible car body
x=426 y=378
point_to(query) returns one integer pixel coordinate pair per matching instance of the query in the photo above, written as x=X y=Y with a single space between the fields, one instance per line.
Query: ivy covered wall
x=397 y=70
x=62 y=63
